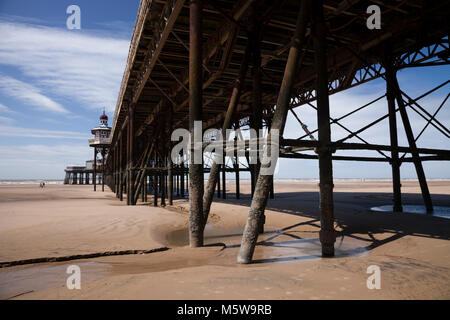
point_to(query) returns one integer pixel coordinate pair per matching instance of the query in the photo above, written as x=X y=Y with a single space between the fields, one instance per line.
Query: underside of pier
x=247 y=64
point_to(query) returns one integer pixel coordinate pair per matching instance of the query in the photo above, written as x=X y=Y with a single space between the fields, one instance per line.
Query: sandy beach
x=411 y=250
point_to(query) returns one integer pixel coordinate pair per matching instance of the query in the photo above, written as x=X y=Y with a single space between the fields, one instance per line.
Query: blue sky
x=55 y=82
x=413 y=82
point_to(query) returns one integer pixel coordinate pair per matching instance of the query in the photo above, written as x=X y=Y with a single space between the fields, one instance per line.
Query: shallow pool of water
x=212 y=235
x=438 y=211
x=273 y=246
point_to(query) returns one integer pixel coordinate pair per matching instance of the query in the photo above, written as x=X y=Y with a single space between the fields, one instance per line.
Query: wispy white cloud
x=119 y=28
x=29 y=94
x=37 y=161
x=14 y=131
x=76 y=66
x=6 y=120
x=5 y=109
x=40 y=152
x=15 y=19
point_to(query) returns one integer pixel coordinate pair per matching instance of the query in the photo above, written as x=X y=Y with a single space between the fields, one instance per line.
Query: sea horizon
x=61 y=181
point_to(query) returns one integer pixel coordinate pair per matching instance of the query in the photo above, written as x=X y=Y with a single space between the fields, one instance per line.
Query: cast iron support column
x=127 y=181
x=259 y=199
x=112 y=154
x=412 y=145
x=95 y=169
x=121 y=167
x=195 y=114
x=214 y=174
x=145 y=187
x=162 y=183
x=155 y=187
x=169 y=159
x=169 y=181
x=116 y=170
x=327 y=232
x=103 y=169
x=251 y=168
x=256 y=118
x=177 y=182
x=224 y=176
x=219 y=193
x=236 y=169
x=395 y=164
x=170 y=178
x=272 y=192
x=131 y=169
x=182 y=175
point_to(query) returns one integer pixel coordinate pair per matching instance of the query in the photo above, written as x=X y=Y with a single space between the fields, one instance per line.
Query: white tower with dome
x=101 y=143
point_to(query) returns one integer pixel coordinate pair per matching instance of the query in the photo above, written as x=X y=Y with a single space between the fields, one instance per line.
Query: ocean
x=30 y=181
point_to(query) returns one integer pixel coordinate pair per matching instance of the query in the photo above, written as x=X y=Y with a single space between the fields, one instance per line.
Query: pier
x=94 y=171
x=83 y=174
x=240 y=64
x=78 y=175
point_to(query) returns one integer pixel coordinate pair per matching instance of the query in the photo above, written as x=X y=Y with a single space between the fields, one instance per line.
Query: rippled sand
x=412 y=251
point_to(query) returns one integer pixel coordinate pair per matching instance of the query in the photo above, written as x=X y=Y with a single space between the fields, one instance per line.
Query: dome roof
x=103 y=116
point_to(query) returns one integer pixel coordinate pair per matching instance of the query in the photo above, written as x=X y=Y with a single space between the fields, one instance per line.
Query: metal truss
x=434 y=54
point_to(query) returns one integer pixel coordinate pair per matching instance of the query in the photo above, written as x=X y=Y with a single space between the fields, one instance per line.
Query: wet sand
x=412 y=250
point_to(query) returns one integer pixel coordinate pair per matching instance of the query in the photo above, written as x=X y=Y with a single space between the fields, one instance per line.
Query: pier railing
x=99 y=141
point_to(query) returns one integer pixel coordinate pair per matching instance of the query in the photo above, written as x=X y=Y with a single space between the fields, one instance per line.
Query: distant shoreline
x=29 y=181
x=280 y=180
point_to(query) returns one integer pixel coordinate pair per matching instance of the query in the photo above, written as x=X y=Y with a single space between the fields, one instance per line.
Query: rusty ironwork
x=327 y=233
x=259 y=200
x=195 y=114
x=395 y=164
x=178 y=72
